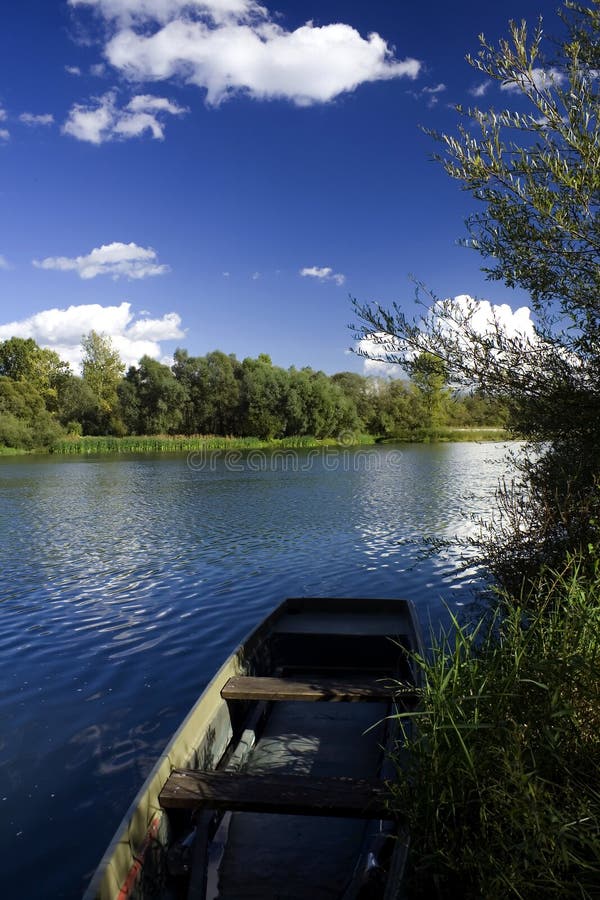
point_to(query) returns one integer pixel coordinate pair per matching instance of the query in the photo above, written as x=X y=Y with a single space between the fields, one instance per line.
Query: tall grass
x=502 y=786
x=187 y=443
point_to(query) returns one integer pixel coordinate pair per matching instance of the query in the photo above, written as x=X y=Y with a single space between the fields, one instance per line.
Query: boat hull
x=328 y=636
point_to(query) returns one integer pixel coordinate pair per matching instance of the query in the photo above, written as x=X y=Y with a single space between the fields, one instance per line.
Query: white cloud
x=127 y=12
x=323 y=273
x=3 y=114
x=484 y=317
x=104 y=121
x=98 y=70
x=229 y=47
x=255 y=276
x=117 y=260
x=430 y=93
x=513 y=323
x=73 y=70
x=4 y=264
x=33 y=119
x=62 y=329
x=370 y=345
x=437 y=89
x=166 y=328
x=480 y=89
x=542 y=79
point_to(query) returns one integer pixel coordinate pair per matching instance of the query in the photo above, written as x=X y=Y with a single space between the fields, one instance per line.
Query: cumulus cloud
x=485 y=318
x=542 y=80
x=117 y=260
x=33 y=120
x=73 y=70
x=514 y=323
x=323 y=273
x=103 y=120
x=61 y=330
x=227 y=47
x=127 y=12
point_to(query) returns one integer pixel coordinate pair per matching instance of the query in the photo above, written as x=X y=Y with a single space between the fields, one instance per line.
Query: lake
x=126 y=581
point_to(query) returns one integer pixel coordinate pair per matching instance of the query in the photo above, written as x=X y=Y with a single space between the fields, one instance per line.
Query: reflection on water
x=125 y=582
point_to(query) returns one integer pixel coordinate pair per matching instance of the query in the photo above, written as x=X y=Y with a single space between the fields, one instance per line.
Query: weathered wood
x=244 y=687
x=270 y=793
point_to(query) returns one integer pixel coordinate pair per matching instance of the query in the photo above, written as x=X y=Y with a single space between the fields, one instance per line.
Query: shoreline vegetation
x=217 y=402
x=500 y=774
x=77 y=445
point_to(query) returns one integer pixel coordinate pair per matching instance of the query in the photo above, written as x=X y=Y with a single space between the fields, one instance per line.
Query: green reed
x=502 y=786
x=187 y=443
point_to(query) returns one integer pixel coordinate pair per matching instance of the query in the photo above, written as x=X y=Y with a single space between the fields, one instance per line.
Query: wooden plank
x=272 y=793
x=244 y=687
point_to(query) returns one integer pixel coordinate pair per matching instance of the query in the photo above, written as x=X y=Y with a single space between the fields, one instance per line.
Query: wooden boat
x=263 y=792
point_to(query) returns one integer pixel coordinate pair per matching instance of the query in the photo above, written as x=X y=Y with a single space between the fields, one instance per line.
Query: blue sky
x=169 y=169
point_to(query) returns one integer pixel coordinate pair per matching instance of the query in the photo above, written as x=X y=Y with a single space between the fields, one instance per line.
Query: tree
x=536 y=176
x=429 y=379
x=102 y=370
x=264 y=389
x=24 y=420
x=22 y=359
x=212 y=388
x=151 y=399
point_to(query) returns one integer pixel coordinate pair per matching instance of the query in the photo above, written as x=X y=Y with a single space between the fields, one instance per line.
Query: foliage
x=430 y=378
x=24 y=420
x=151 y=399
x=21 y=359
x=535 y=176
x=500 y=778
x=211 y=395
x=102 y=370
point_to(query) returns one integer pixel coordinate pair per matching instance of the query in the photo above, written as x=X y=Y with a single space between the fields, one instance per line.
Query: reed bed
x=189 y=443
x=500 y=776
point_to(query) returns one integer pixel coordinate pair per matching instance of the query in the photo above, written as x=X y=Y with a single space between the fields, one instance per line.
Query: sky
x=219 y=174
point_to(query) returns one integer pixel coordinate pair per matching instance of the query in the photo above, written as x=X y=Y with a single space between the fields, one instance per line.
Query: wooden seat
x=269 y=793
x=243 y=687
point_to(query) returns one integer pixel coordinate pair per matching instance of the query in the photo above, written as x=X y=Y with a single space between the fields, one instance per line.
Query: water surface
x=126 y=581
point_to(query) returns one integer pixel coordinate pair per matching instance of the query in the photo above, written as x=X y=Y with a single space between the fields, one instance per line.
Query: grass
x=185 y=443
x=13 y=451
x=502 y=784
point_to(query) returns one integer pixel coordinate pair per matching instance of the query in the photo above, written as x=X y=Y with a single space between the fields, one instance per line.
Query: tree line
x=42 y=400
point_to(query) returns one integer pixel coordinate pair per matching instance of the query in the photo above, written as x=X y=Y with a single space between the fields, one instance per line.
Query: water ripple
x=126 y=582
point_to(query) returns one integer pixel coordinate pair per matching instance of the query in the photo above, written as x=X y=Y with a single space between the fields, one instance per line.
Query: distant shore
x=186 y=443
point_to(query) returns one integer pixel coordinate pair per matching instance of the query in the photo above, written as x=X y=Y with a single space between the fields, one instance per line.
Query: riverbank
x=502 y=786
x=166 y=443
